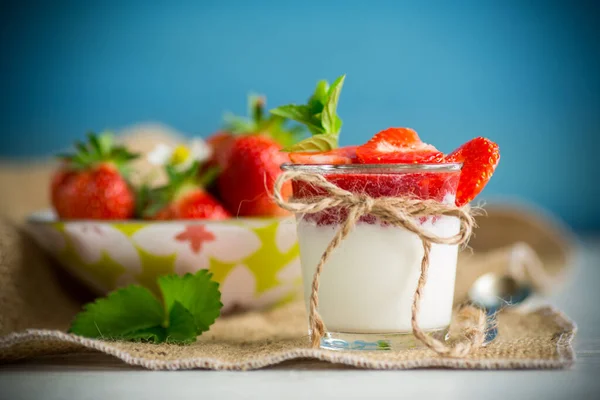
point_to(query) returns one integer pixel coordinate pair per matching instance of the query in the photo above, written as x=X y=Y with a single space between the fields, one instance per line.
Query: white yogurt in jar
x=368 y=283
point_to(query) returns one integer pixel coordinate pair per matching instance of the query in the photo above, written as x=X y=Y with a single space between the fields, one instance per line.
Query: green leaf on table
x=197 y=293
x=120 y=314
x=182 y=328
x=156 y=334
x=190 y=305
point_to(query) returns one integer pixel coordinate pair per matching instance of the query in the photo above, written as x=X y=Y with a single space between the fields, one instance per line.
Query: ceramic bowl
x=255 y=260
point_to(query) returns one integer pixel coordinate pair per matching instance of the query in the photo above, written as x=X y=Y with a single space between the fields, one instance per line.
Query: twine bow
x=399 y=212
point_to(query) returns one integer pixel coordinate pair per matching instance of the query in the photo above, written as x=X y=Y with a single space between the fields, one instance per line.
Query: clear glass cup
x=367 y=285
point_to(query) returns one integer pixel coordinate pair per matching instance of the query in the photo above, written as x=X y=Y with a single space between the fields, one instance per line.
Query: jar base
x=377 y=341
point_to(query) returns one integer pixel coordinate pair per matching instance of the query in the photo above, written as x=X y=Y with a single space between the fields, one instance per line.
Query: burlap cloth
x=38 y=301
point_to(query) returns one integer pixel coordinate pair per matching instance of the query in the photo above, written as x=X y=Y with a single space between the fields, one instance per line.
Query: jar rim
x=372 y=168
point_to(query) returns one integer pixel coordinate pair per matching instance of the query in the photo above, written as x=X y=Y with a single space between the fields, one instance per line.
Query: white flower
x=180 y=156
x=160 y=155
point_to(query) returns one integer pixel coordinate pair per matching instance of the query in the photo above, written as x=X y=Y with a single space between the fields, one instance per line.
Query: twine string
x=398 y=212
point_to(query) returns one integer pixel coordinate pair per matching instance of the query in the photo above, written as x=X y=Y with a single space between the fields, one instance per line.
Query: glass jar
x=368 y=283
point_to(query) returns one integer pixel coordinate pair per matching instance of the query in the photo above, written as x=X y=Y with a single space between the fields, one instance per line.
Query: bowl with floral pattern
x=255 y=260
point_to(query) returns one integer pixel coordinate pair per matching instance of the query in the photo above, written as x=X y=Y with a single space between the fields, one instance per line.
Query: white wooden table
x=100 y=377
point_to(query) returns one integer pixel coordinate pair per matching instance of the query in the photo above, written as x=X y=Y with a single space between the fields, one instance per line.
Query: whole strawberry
x=251 y=160
x=92 y=183
x=183 y=197
x=246 y=183
x=221 y=144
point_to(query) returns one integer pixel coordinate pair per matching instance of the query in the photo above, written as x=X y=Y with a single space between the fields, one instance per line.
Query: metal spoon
x=493 y=292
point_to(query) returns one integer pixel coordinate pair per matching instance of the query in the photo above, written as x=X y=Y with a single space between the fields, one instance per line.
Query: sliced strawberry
x=480 y=157
x=342 y=155
x=395 y=146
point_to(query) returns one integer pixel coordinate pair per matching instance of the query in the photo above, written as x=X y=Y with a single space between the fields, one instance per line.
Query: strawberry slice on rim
x=342 y=155
x=397 y=146
x=480 y=157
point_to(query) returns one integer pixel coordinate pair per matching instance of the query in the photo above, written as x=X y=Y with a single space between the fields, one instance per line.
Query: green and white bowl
x=255 y=260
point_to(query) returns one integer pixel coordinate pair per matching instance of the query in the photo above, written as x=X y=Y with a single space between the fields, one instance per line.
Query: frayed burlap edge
x=564 y=350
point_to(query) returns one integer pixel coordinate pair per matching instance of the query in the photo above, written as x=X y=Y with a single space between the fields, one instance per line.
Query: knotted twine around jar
x=399 y=212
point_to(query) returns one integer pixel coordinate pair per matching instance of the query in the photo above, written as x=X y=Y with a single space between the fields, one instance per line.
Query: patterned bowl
x=255 y=260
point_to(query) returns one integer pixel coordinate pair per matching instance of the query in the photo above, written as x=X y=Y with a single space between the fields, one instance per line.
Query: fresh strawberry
x=92 y=184
x=184 y=197
x=221 y=143
x=342 y=155
x=246 y=183
x=253 y=161
x=195 y=203
x=480 y=157
x=397 y=146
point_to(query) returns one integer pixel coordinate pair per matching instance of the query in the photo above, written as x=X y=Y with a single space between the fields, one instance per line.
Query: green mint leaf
x=197 y=293
x=320 y=94
x=282 y=134
x=338 y=125
x=319 y=115
x=317 y=143
x=302 y=114
x=330 y=121
x=123 y=312
x=182 y=328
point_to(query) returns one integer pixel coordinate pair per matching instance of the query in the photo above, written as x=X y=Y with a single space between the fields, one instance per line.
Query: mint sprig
x=319 y=115
x=189 y=305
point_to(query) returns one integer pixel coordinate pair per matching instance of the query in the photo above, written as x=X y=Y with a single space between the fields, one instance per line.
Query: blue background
x=524 y=73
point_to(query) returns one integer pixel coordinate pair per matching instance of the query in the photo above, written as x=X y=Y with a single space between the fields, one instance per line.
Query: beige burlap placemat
x=35 y=311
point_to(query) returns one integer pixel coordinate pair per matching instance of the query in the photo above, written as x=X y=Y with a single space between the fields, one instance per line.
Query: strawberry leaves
x=319 y=115
x=152 y=200
x=122 y=313
x=183 y=292
x=190 y=305
x=97 y=150
x=274 y=126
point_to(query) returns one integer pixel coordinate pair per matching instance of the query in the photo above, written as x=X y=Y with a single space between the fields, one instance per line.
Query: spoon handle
x=492 y=326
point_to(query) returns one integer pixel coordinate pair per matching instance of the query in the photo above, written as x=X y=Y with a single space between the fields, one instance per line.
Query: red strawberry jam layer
x=420 y=185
